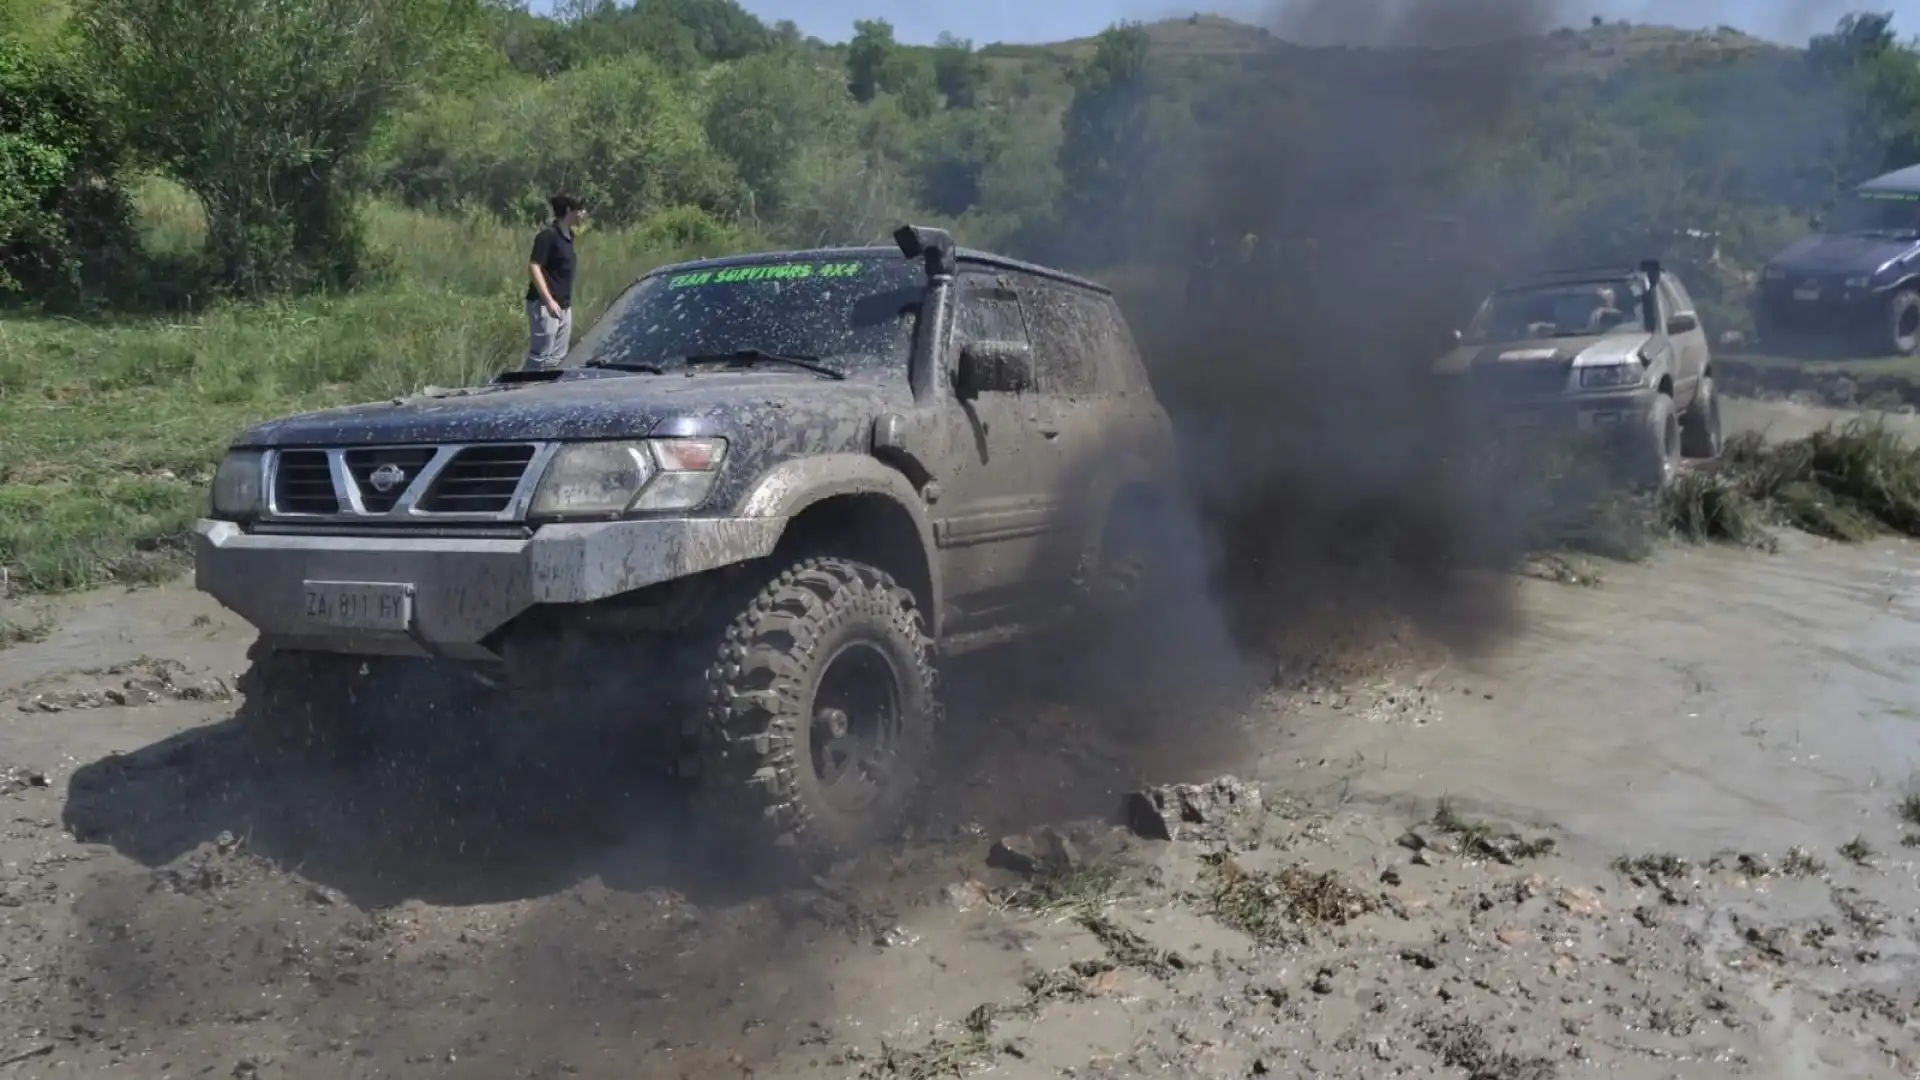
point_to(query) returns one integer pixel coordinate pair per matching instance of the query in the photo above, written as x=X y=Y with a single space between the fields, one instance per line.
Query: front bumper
x=440 y=596
x=1598 y=412
x=1818 y=308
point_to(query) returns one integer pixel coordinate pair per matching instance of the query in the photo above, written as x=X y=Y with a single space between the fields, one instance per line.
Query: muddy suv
x=782 y=483
x=1606 y=350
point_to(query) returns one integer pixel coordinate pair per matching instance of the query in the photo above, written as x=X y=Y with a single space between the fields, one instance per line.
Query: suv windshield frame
x=1876 y=213
x=857 y=316
x=1480 y=329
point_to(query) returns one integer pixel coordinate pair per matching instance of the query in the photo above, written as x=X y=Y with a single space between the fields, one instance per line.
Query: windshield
x=1577 y=309
x=853 y=317
x=1877 y=212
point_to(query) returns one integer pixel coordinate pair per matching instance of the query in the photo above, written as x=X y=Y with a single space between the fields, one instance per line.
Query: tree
x=867 y=55
x=1876 y=85
x=262 y=108
x=63 y=212
x=765 y=112
x=621 y=134
x=958 y=71
x=1104 y=152
x=908 y=76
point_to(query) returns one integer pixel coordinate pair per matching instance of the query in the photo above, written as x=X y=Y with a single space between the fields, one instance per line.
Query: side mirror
x=993 y=367
x=1684 y=323
x=1818 y=222
x=1451 y=340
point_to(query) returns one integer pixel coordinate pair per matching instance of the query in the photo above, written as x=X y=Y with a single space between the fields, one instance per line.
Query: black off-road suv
x=782 y=482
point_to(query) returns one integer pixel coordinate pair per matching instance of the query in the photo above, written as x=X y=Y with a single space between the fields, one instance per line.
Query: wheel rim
x=1906 y=326
x=1714 y=437
x=855 y=726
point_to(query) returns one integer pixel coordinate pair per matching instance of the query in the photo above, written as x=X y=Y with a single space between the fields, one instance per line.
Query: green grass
x=109 y=429
x=1850 y=482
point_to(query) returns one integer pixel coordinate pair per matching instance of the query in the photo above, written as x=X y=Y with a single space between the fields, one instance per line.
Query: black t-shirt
x=553 y=254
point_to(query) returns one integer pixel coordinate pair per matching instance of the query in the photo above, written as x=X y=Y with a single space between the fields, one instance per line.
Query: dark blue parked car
x=1855 y=282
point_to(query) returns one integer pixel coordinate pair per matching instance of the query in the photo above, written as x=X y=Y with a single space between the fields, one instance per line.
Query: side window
x=1672 y=300
x=1682 y=300
x=1121 y=370
x=1064 y=356
x=988 y=312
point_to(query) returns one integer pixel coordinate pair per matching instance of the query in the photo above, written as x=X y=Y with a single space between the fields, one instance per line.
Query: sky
x=983 y=21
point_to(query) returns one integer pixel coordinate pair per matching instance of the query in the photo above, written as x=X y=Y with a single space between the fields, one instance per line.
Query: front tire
x=822 y=709
x=1700 y=433
x=1658 y=452
x=1900 y=332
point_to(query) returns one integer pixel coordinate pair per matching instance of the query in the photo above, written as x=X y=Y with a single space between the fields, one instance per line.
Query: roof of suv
x=964 y=255
x=1575 y=276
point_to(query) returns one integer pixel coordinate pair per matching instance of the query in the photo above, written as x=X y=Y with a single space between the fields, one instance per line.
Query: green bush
x=621 y=134
x=65 y=220
x=263 y=108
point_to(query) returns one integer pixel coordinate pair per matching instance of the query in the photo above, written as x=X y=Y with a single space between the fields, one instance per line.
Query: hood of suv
x=1825 y=253
x=1591 y=350
x=590 y=405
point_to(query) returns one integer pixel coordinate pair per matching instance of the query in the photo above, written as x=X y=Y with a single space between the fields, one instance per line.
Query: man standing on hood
x=550 y=271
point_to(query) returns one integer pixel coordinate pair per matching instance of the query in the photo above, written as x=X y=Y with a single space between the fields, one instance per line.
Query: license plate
x=1806 y=294
x=359 y=605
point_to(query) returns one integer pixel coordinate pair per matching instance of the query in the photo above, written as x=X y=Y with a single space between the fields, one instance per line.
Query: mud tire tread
x=748 y=753
x=1652 y=467
x=1886 y=341
x=1700 y=438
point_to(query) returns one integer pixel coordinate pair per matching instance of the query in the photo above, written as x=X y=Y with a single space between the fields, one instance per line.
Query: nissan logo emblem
x=387 y=477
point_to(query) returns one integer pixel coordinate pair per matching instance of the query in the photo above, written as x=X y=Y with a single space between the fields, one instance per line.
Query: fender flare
x=789 y=488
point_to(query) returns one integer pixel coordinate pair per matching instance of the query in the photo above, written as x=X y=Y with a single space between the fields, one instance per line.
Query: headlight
x=236 y=486
x=608 y=479
x=1612 y=376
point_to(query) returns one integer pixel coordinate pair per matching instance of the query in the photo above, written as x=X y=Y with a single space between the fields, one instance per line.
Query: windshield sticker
x=1892 y=196
x=766 y=272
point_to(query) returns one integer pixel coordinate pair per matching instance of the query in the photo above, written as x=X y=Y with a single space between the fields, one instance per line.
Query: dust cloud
x=1338 y=246
x=1333 y=513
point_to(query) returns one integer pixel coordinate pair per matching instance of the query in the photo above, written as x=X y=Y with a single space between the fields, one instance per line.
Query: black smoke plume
x=1343 y=231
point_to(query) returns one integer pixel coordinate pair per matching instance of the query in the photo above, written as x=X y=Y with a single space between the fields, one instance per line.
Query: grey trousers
x=547 y=337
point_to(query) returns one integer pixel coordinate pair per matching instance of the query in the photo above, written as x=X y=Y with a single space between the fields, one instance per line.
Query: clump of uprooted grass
x=1849 y=483
x=1280 y=908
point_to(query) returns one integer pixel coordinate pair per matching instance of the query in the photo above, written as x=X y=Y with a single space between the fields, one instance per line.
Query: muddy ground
x=1660 y=835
